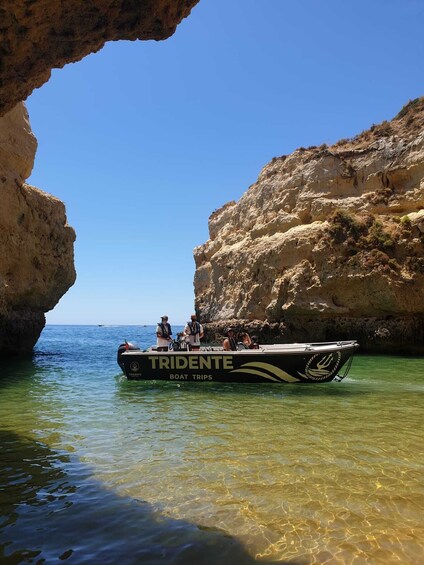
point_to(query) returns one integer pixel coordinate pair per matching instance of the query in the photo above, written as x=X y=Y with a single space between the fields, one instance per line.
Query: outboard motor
x=127 y=346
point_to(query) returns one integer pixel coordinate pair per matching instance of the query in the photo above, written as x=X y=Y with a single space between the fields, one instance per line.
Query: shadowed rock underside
x=37 y=36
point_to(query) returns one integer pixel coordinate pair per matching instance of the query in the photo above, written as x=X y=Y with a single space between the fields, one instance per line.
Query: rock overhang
x=38 y=36
x=36 y=242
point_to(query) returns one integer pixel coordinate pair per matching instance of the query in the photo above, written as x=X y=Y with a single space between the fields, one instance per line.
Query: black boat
x=278 y=363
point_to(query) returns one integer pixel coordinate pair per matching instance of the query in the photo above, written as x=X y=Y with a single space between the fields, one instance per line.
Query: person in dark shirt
x=255 y=342
x=163 y=334
x=244 y=338
x=230 y=342
x=194 y=332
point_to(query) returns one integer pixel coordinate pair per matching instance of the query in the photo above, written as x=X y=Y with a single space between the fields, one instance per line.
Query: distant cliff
x=327 y=244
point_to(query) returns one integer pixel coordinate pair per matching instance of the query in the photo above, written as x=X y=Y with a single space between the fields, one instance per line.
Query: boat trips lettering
x=185 y=377
x=192 y=362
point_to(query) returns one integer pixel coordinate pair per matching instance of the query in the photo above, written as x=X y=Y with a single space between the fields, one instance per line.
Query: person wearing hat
x=194 y=332
x=230 y=342
x=163 y=334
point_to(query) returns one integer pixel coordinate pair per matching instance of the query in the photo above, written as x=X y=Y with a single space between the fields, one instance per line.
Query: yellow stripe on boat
x=256 y=372
x=282 y=375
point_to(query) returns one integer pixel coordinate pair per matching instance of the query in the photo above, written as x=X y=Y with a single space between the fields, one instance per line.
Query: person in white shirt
x=194 y=332
x=163 y=334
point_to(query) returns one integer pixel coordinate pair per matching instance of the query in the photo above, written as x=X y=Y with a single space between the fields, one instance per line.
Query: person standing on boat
x=163 y=334
x=230 y=342
x=194 y=332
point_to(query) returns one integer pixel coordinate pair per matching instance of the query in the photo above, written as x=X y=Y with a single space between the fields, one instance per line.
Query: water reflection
x=149 y=472
x=134 y=391
x=14 y=371
x=326 y=473
x=52 y=508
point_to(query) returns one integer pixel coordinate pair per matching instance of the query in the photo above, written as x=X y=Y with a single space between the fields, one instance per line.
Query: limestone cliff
x=36 y=244
x=37 y=36
x=327 y=244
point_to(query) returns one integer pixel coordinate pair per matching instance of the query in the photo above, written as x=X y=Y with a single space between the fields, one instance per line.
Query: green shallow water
x=97 y=469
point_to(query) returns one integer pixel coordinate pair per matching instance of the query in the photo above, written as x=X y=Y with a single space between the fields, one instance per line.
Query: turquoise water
x=98 y=469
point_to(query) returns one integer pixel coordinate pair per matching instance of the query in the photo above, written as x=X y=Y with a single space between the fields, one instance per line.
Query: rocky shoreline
x=392 y=336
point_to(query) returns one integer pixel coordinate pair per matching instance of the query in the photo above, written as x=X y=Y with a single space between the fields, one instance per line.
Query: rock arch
x=36 y=243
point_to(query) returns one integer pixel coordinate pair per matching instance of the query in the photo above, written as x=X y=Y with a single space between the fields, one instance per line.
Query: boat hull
x=313 y=363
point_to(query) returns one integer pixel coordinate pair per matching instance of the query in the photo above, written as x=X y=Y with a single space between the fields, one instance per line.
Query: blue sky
x=143 y=140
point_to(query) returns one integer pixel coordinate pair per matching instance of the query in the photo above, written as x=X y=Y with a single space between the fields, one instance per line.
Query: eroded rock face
x=36 y=244
x=37 y=36
x=327 y=244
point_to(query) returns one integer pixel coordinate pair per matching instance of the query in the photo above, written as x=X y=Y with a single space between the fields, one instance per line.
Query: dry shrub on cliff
x=371 y=244
x=411 y=106
x=380 y=196
x=366 y=231
x=415 y=264
x=343 y=141
x=361 y=234
x=406 y=125
x=378 y=260
x=344 y=226
x=378 y=237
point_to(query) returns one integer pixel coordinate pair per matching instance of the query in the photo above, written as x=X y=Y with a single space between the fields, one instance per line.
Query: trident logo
x=321 y=366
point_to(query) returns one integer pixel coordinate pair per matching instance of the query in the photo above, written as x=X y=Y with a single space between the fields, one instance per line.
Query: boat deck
x=271 y=349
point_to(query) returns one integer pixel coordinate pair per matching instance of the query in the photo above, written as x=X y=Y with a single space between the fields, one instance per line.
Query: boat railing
x=271 y=347
x=307 y=346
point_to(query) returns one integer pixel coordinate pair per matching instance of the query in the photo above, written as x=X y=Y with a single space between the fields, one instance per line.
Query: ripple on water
x=324 y=474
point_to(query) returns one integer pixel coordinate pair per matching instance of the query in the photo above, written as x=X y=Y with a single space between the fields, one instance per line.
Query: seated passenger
x=255 y=342
x=230 y=342
x=244 y=338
